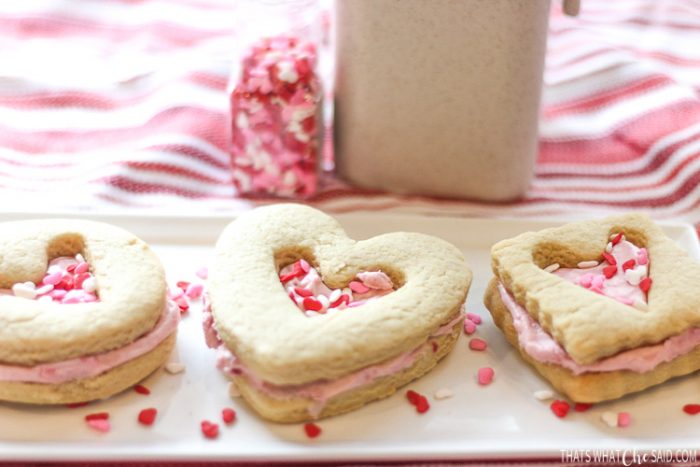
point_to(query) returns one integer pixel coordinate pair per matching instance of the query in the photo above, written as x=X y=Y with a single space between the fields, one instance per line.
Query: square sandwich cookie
x=310 y=323
x=601 y=308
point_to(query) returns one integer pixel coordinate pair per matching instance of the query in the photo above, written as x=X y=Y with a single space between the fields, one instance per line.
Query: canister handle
x=572 y=7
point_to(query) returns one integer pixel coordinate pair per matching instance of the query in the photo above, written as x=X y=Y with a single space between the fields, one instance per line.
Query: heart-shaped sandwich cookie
x=83 y=311
x=600 y=308
x=310 y=323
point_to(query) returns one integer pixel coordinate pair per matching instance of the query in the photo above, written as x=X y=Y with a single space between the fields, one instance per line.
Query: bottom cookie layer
x=588 y=387
x=100 y=387
x=295 y=410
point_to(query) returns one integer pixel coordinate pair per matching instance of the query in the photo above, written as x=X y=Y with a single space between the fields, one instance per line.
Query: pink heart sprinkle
x=202 y=272
x=469 y=327
x=358 y=287
x=476 y=319
x=485 y=375
x=624 y=419
x=100 y=425
x=194 y=291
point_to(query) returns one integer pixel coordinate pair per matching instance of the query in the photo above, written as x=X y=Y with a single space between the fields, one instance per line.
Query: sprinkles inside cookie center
x=623 y=273
x=67 y=280
x=307 y=290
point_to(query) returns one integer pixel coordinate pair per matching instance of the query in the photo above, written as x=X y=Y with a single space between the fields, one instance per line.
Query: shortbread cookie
x=83 y=311
x=310 y=323
x=600 y=308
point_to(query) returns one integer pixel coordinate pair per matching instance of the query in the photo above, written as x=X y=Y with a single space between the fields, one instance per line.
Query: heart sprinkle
x=419 y=401
x=142 y=389
x=147 y=416
x=67 y=280
x=202 y=272
x=543 y=395
x=609 y=418
x=476 y=319
x=97 y=416
x=477 y=344
x=691 y=409
x=209 y=430
x=616 y=238
x=101 y=425
x=228 y=415
x=469 y=327
x=443 y=393
x=624 y=419
x=484 y=376
x=560 y=408
x=582 y=407
x=312 y=430
x=307 y=290
x=552 y=267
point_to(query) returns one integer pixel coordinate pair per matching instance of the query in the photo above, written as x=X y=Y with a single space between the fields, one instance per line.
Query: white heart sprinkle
x=543 y=395
x=443 y=393
x=174 y=367
x=634 y=276
x=22 y=291
x=609 y=247
x=90 y=284
x=30 y=285
x=609 y=418
x=587 y=264
x=335 y=295
x=45 y=298
x=552 y=267
x=324 y=301
x=44 y=289
x=640 y=305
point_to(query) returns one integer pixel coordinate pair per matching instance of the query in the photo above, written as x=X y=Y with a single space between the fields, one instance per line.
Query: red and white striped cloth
x=107 y=104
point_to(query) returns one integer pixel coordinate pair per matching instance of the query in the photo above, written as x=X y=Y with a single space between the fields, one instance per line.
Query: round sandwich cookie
x=83 y=311
x=310 y=323
x=600 y=309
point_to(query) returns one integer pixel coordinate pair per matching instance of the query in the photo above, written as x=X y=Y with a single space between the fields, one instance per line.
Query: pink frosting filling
x=93 y=365
x=542 y=347
x=319 y=391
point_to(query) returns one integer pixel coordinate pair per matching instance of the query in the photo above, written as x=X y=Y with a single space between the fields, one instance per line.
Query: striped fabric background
x=106 y=104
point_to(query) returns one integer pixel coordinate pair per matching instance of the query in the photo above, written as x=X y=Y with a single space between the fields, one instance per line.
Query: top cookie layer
x=130 y=279
x=591 y=326
x=257 y=320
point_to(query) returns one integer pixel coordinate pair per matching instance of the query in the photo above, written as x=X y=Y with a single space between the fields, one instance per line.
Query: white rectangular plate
x=502 y=420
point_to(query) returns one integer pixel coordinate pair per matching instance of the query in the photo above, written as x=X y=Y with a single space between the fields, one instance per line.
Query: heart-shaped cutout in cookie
x=587 y=325
x=95 y=342
x=281 y=347
x=622 y=274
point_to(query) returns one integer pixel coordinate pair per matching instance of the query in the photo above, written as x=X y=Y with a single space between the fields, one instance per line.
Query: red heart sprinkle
x=312 y=430
x=312 y=304
x=142 y=389
x=609 y=271
x=691 y=409
x=609 y=258
x=287 y=277
x=645 y=284
x=182 y=285
x=412 y=397
x=343 y=298
x=71 y=267
x=209 y=430
x=75 y=405
x=477 y=344
x=435 y=346
x=616 y=239
x=97 y=416
x=303 y=292
x=560 y=408
x=228 y=415
x=629 y=264
x=422 y=405
x=147 y=416
x=581 y=407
